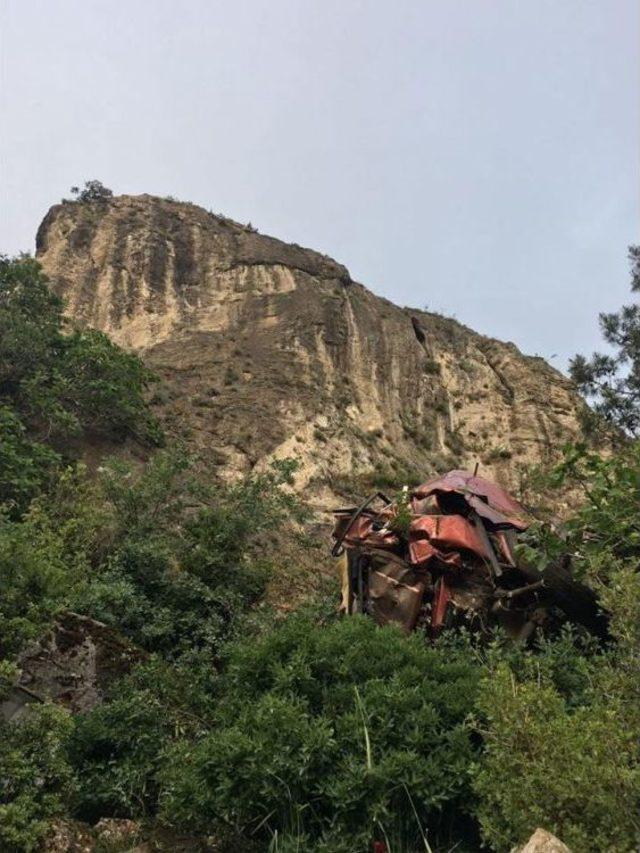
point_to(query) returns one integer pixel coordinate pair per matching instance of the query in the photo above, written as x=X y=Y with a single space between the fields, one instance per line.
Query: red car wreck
x=444 y=554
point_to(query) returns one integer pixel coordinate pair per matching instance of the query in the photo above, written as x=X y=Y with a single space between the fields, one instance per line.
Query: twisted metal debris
x=445 y=554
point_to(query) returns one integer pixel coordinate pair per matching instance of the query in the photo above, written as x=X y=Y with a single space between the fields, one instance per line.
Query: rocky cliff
x=271 y=349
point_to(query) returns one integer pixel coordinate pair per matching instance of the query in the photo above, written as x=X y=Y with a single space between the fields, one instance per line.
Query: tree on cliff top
x=93 y=191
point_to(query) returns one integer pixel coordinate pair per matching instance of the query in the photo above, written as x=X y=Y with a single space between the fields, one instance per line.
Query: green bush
x=59 y=380
x=35 y=576
x=177 y=577
x=46 y=557
x=561 y=726
x=37 y=781
x=56 y=383
x=183 y=563
x=101 y=388
x=341 y=730
x=26 y=467
x=117 y=748
x=603 y=535
x=567 y=661
x=576 y=773
x=93 y=191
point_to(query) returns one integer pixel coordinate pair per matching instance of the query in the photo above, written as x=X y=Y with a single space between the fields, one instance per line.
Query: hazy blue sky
x=479 y=157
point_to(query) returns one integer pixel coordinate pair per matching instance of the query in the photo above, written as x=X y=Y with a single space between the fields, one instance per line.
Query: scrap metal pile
x=444 y=554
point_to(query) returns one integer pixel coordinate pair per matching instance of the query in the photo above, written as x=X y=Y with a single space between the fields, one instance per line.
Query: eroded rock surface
x=269 y=349
x=75 y=662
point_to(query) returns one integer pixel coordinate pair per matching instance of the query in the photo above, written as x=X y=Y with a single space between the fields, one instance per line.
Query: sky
x=479 y=158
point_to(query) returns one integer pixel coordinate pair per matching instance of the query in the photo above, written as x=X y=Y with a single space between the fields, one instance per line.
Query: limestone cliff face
x=270 y=349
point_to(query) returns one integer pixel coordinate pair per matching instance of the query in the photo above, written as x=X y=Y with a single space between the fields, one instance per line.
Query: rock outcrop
x=268 y=349
x=73 y=664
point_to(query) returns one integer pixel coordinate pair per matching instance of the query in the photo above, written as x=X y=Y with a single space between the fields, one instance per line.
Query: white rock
x=542 y=842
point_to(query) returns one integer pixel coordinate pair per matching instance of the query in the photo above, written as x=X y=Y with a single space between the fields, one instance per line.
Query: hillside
x=271 y=349
x=151 y=694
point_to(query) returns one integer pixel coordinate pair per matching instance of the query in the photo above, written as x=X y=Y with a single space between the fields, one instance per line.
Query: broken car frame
x=445 y=554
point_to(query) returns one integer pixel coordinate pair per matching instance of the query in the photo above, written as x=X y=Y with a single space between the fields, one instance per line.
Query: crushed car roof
x=489 y=500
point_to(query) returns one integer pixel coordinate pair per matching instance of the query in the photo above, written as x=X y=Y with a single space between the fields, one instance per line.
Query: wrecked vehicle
x=444 y=554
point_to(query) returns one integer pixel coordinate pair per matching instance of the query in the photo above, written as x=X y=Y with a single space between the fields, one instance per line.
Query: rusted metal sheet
x=489 y=500
x=430 y=535
x=365 y=528
x=396 y=590
x=442 y=595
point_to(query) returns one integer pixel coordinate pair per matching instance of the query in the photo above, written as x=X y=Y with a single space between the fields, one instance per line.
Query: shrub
x=562 y=728
x=496 y=454
x=36 y=779
x=603 y=534
x=117 y=748
x=26 y=467
x=34 y=577
x=181 y=567
x=340 y=730
x=56 y=383
x=177 y=579
x=575 y=773
x=101 y=388
x=46 y=557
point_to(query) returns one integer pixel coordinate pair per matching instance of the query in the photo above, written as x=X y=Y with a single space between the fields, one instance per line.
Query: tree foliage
x=179 y=567
x=574 y=772
x=570 y=734
x=612 y=380
x=37 y=780
x=91 y=192
x=26 y=466
x=143 y=551
x=57 y=384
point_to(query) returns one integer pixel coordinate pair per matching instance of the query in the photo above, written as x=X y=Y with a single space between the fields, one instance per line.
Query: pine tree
x=612 y=381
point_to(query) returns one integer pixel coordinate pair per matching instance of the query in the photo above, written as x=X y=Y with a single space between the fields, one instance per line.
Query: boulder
x=73 y=664
x=68 y=836
x=117 y=833
x=543 y=842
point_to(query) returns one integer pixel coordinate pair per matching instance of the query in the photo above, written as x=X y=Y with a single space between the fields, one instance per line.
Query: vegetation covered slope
x=243 y=731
